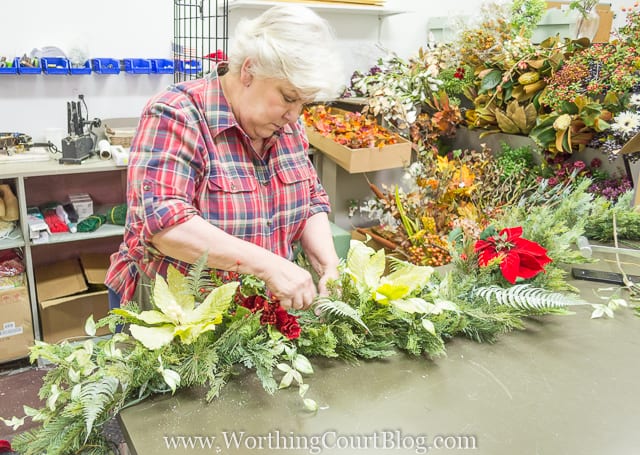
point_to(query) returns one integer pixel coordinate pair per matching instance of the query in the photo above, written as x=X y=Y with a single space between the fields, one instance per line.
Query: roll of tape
x=104 y=149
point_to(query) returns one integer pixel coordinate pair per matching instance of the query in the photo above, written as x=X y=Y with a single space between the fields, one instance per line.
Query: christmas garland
x=204 y=328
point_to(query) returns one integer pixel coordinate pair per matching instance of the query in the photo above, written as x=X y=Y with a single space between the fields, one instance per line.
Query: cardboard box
x=83 y=205
x=64 y=301
x=16 y=329
x=64 y=318
x=95 y=266
x=59 y=280
x=363 y=160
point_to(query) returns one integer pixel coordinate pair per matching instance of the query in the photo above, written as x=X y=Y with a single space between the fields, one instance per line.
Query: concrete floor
x=20 y=383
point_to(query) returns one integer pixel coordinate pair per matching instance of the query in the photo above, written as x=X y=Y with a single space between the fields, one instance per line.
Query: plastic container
x=137 y=65
x=189 y=66
x=162 y=66
x=84 y=69
x=54 y=65
x=22 y=69
x=105 y=65
x=13 y=69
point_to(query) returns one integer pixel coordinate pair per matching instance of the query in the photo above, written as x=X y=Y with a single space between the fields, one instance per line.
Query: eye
x=288 y=99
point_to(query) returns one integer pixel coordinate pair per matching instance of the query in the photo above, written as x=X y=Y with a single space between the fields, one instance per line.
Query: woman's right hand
x=292 y=285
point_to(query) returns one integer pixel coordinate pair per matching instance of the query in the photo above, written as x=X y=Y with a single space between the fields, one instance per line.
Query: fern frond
x=198 y=276
x=526 y=297
x=336 y=307
x=95 y=398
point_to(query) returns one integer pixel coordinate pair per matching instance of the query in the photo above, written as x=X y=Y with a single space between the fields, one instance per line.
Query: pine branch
x=526 y=297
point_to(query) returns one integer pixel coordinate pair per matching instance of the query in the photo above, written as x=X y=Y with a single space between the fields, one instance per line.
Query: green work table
x=566 y=385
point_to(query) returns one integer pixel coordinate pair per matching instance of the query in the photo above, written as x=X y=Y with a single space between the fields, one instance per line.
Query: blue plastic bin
x=54 y=65
x=13 y=69
x=162 y=66
x=84 y=69
x=137 y=65
x=189 y=66
x=105 y=65
x=28 y=69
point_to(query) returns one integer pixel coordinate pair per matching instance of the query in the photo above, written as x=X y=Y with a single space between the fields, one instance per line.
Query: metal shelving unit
x=200 y=36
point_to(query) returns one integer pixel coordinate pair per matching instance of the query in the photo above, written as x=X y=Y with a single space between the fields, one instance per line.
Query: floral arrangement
x=204 y=328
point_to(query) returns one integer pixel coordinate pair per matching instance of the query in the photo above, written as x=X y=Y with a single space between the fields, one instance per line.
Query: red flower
x=287 y=324
x=273 y=314
x=5 y=446
x=519 y=258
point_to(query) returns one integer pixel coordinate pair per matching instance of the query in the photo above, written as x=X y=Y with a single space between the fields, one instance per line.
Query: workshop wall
x=144 y=29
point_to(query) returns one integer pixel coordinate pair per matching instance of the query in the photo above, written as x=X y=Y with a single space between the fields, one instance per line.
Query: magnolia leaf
x=286 y=380
x=14 y=423
x=171 y=378
x=90 y=326
x=490 y=80
x=302 y=390
x=152 y=337
x=179 y=288
x=283 y=367
x=154 y=317
x=310 y=405
x=289 y=350
x=302 y=364
x=506 y=124
x=214 y=305
x=428 y=326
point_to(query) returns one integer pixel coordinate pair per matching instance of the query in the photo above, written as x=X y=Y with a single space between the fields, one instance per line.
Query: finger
x=286 y=303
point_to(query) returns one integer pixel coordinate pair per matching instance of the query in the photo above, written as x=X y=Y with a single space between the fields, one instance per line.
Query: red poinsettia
x=518 y=257
x=273 y=314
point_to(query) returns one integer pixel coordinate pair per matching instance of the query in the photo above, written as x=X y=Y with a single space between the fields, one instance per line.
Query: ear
x=246 y=76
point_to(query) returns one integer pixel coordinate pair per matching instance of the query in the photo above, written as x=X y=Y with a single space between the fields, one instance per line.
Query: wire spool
x=104 y=149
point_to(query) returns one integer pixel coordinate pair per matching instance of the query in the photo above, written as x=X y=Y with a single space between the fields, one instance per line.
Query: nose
x=291 y=115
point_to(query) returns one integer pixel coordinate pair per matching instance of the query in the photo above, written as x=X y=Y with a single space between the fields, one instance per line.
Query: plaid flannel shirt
x=190 y=157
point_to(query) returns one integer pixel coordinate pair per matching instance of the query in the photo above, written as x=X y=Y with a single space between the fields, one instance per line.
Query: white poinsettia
x=635 y=100
x=627 y=123
x=366 y=267
x=177 y=313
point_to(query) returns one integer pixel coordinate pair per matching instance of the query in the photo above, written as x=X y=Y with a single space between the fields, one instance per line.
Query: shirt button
x=233 y=186
x=146 y=187
x=265 y=182
x=269 y=223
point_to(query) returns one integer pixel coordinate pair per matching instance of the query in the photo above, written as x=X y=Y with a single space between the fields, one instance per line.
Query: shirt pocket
x=294 y=198
x=231 y=204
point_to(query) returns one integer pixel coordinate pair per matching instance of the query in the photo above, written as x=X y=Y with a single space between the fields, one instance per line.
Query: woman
x=219 y=166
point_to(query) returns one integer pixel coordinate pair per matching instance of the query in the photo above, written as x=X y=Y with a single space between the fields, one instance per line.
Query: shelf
x=319 y=7
x=106 y=230
x=53 y=167
x=15 y=240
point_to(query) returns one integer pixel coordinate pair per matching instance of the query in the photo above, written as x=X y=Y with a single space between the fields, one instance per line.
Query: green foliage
x=599 y=225
x=515 y=161
x=525 y=15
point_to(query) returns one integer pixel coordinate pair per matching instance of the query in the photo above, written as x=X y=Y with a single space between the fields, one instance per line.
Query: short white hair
x=290 y=42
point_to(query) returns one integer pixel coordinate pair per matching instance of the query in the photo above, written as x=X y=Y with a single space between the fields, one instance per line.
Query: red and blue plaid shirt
x=190 y=157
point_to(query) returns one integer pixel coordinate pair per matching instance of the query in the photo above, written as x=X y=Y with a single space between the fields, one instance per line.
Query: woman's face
x=266 y=105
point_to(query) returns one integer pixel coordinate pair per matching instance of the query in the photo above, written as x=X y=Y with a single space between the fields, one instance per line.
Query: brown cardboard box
x=65 y=317
x=59 y=280
x=363 y=160
x=95 y=266
x=64 y=303
x=16 y=330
